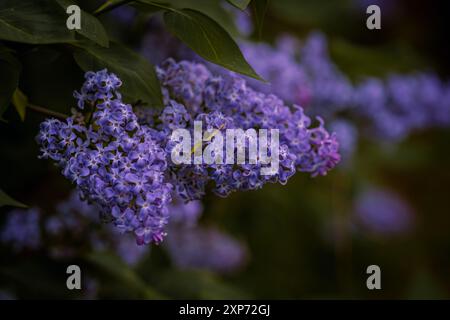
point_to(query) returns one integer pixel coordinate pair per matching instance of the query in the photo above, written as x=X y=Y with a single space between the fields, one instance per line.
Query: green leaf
x=240 y=4
x=9 y=77
x=122 y=272
x=6 y=200
x=91 y=27
x=109 y=5
x=20 y=102
x=211 y=8
x=208 y=39
x=138 y=76
x=259 y=8
x=33 y=21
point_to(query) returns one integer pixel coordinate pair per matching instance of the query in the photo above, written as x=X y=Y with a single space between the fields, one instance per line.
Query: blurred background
x=384 y=92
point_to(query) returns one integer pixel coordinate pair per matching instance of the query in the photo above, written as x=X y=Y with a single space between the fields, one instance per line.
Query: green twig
x=47 y=112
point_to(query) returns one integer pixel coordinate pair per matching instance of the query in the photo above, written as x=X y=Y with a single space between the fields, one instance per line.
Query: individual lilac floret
x=383 y=212
x=21 y=229
x=115 y=162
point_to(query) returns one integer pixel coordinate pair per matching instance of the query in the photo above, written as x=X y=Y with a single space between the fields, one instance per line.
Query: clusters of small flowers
x=382 y=212
x=390 y=108
x=158 y=44
x=191 y=92
x=206 y=248
x=114 y=161
x=76 y=227
x=403 y=103
x=22 y=230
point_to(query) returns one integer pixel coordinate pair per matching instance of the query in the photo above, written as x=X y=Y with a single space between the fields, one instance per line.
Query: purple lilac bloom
x=75 y=226
x=402 y=104
x=21 y=230
x=383 y=212
x=7 y=295
x=191 y=92
x=390 y=108
x=301 y=74
x=80 y=220
x=158 y=44
x=114 y=161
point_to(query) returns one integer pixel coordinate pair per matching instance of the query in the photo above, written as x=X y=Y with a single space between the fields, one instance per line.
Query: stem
x=47 y=112
x=103 y=9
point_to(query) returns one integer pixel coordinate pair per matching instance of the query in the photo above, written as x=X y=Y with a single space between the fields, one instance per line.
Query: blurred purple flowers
x=383 y=212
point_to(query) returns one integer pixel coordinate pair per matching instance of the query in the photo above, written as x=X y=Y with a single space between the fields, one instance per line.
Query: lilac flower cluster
x=205 y=248
x=114 y=162
x=191 y=92
x=390 y=109
x=402 y=104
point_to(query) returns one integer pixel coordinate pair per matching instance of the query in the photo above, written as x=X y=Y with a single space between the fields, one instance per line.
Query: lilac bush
x=120 y=160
